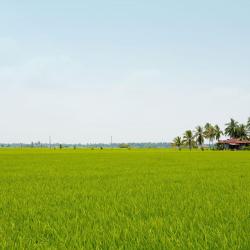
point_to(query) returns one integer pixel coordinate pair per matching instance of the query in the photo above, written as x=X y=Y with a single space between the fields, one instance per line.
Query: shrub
x=124 y=145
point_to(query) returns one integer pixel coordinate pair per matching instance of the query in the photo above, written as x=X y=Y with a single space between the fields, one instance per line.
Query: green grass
x=124 y=199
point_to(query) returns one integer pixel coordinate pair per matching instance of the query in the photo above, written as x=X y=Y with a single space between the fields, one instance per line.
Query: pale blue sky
x=82 y=71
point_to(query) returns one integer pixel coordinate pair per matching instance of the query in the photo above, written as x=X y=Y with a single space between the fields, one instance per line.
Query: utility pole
x=111 y=142
x=50 y=142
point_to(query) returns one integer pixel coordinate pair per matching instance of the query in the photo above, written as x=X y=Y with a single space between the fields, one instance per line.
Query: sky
x=140 y=71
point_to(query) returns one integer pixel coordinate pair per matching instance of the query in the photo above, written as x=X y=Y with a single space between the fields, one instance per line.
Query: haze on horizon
x=81 y=71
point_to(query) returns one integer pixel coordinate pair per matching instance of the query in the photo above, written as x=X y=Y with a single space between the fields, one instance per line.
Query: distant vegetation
x=212 y=133
x=200 y=137
x=89 y=145
x=124 y=145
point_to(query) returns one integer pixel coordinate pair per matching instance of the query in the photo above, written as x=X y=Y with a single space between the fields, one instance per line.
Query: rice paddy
x=124 y=199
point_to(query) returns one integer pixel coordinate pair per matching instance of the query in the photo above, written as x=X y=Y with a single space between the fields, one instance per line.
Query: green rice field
x=124 y=199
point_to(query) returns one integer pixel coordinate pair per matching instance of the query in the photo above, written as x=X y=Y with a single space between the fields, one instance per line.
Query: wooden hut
x=234 y=143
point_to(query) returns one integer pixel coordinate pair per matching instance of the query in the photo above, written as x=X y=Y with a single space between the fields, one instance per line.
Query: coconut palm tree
x=206 y=127
x=178 y=142
x=188 y=139
x=232 y=128
x=199 y=135
x=218 y=132
x=212 y=135
x=242 y=132
x=248 y=127
x=209 y=133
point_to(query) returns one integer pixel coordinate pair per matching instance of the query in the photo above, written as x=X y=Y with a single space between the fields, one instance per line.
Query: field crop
x=124 y=199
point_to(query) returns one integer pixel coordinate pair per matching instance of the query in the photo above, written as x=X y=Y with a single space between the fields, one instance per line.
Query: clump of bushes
x=124 y=145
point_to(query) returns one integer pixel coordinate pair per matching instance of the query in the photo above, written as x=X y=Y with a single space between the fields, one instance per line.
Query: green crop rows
x=124 y=199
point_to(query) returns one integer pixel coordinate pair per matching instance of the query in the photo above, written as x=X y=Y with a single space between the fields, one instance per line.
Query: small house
x=234 y=143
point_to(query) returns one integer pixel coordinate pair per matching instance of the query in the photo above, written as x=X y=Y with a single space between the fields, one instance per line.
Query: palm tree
x=178 y=142
x=199 y=134
x=248 y=123
x=207 y=126
x=242 y=132
x=248 y=127
x=188 y=138
x=209 y=133
x=212 y=135
x=232 y=128
x=218 y=132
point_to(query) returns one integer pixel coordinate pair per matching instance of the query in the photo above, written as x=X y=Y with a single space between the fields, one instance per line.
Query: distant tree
x=188 y=139
x=199 y=135
x=209 y=133
x=248 y=123
x=232 y=128
x=248 y=127
x=206 y=131
x=60 y=146
x=178 y=142
x=218 y=132
x=207 y=125
x=242 y=132
x=124 y=145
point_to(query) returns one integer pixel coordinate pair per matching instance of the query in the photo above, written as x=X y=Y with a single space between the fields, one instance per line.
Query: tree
x=206 y=131
x=218 y=132
x=248 y=127
x=242 y=132
x=124 y=145
x=232 y=128
x=188 y=139
x=178 y=142
x=207 y=125
x=199 y=135
x=209 y=133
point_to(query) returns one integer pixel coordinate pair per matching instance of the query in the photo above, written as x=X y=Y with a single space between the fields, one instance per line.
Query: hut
x=234 y=143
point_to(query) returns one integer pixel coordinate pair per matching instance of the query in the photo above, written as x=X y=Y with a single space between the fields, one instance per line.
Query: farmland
x=124 y=199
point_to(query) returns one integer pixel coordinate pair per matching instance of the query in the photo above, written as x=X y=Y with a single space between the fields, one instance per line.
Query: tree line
x=209 y=132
